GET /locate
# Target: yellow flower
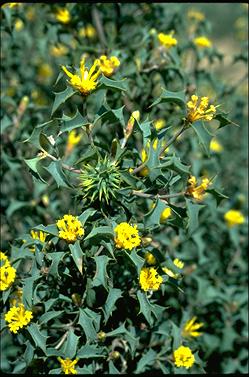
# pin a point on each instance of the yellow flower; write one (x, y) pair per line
(190, 327)
(7, 273)
(167, 40)
(234, 217)
(18, 317)
(45, 71)
(166, 213)
(215, 146)
(199, 110)
(202, 42)
(108, 65)
(197, 192)
(70, 228)
(150, 259)
(10, 5)
(19, 25)
(127, 236)
(88, 80)
(159, 124)
(58, 50)
(63, 15)
(178, 263)
(41, 236)
(68, 366)
(149, 279)
(72, 140)
(196, 15)
(129, 128)
(183, 357)
(89, 31)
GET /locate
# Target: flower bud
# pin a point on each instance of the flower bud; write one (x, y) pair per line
(101, 336)
(114, 355)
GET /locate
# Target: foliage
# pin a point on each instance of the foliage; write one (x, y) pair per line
(95, 153)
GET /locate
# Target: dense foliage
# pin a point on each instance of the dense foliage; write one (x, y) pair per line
(124, 227)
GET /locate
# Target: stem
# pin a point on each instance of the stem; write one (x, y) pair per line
(98, 23)
(171, 141)
(67, 167)
(151, 196)
(62, 340)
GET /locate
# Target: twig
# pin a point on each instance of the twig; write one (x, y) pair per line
(99, 26)
(67, 167)
(171, 141)
(151, 196)
(62, 340)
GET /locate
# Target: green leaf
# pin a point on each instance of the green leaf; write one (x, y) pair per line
(223, 120)
(100, 277)
(174, 97)
(116, 85)
(204, 136)
(56, 258)
(75, 122)
(87, 325)
(146, 308)
(112, 298)
(112, 368)
(5, 123)
(69, 348)
(174, 163)
(28, 288)
(55, 169)
(90, 351)
(193, 214)
(14, 206)
(152, 218)
(50, 229)
(37, 336)
(77, 255)
(118, 113)
(176, 334)
(49, 315)
(61, 97)
(85, 215)
(33, 165)
(101, 231)
(136, 260)
(148, 359)
(218, 195)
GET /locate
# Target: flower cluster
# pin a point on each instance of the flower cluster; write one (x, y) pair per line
(62, 15)
(167, 40)
(108, 65)
(190, 328)
(127, 236)
(88, 80)
(234, 217)
(7, 272)
(202, 42)
(170, 273)
(68, 366)
(149, 279)
(18, 317)
(198, 109)
(70, 228)
(183, 357)
(197, 192)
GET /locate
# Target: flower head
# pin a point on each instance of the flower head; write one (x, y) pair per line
(18, 317)
(62, 15)
(87, 82)
(149, 279)
(159, 124)
(178, 263)
(190, 328)
(150, 259)
(127, 236)
(167, 40)
(234, 217)
(72, 140)
(7, 273)
(68, 366)
(215, 146)
(197, 192)
(89, 31)
(41, 236)
(70, 228)
(198, 109)
(183, 357)
(202, 42)
(196, 15)
(58, 50)
(108, 65)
